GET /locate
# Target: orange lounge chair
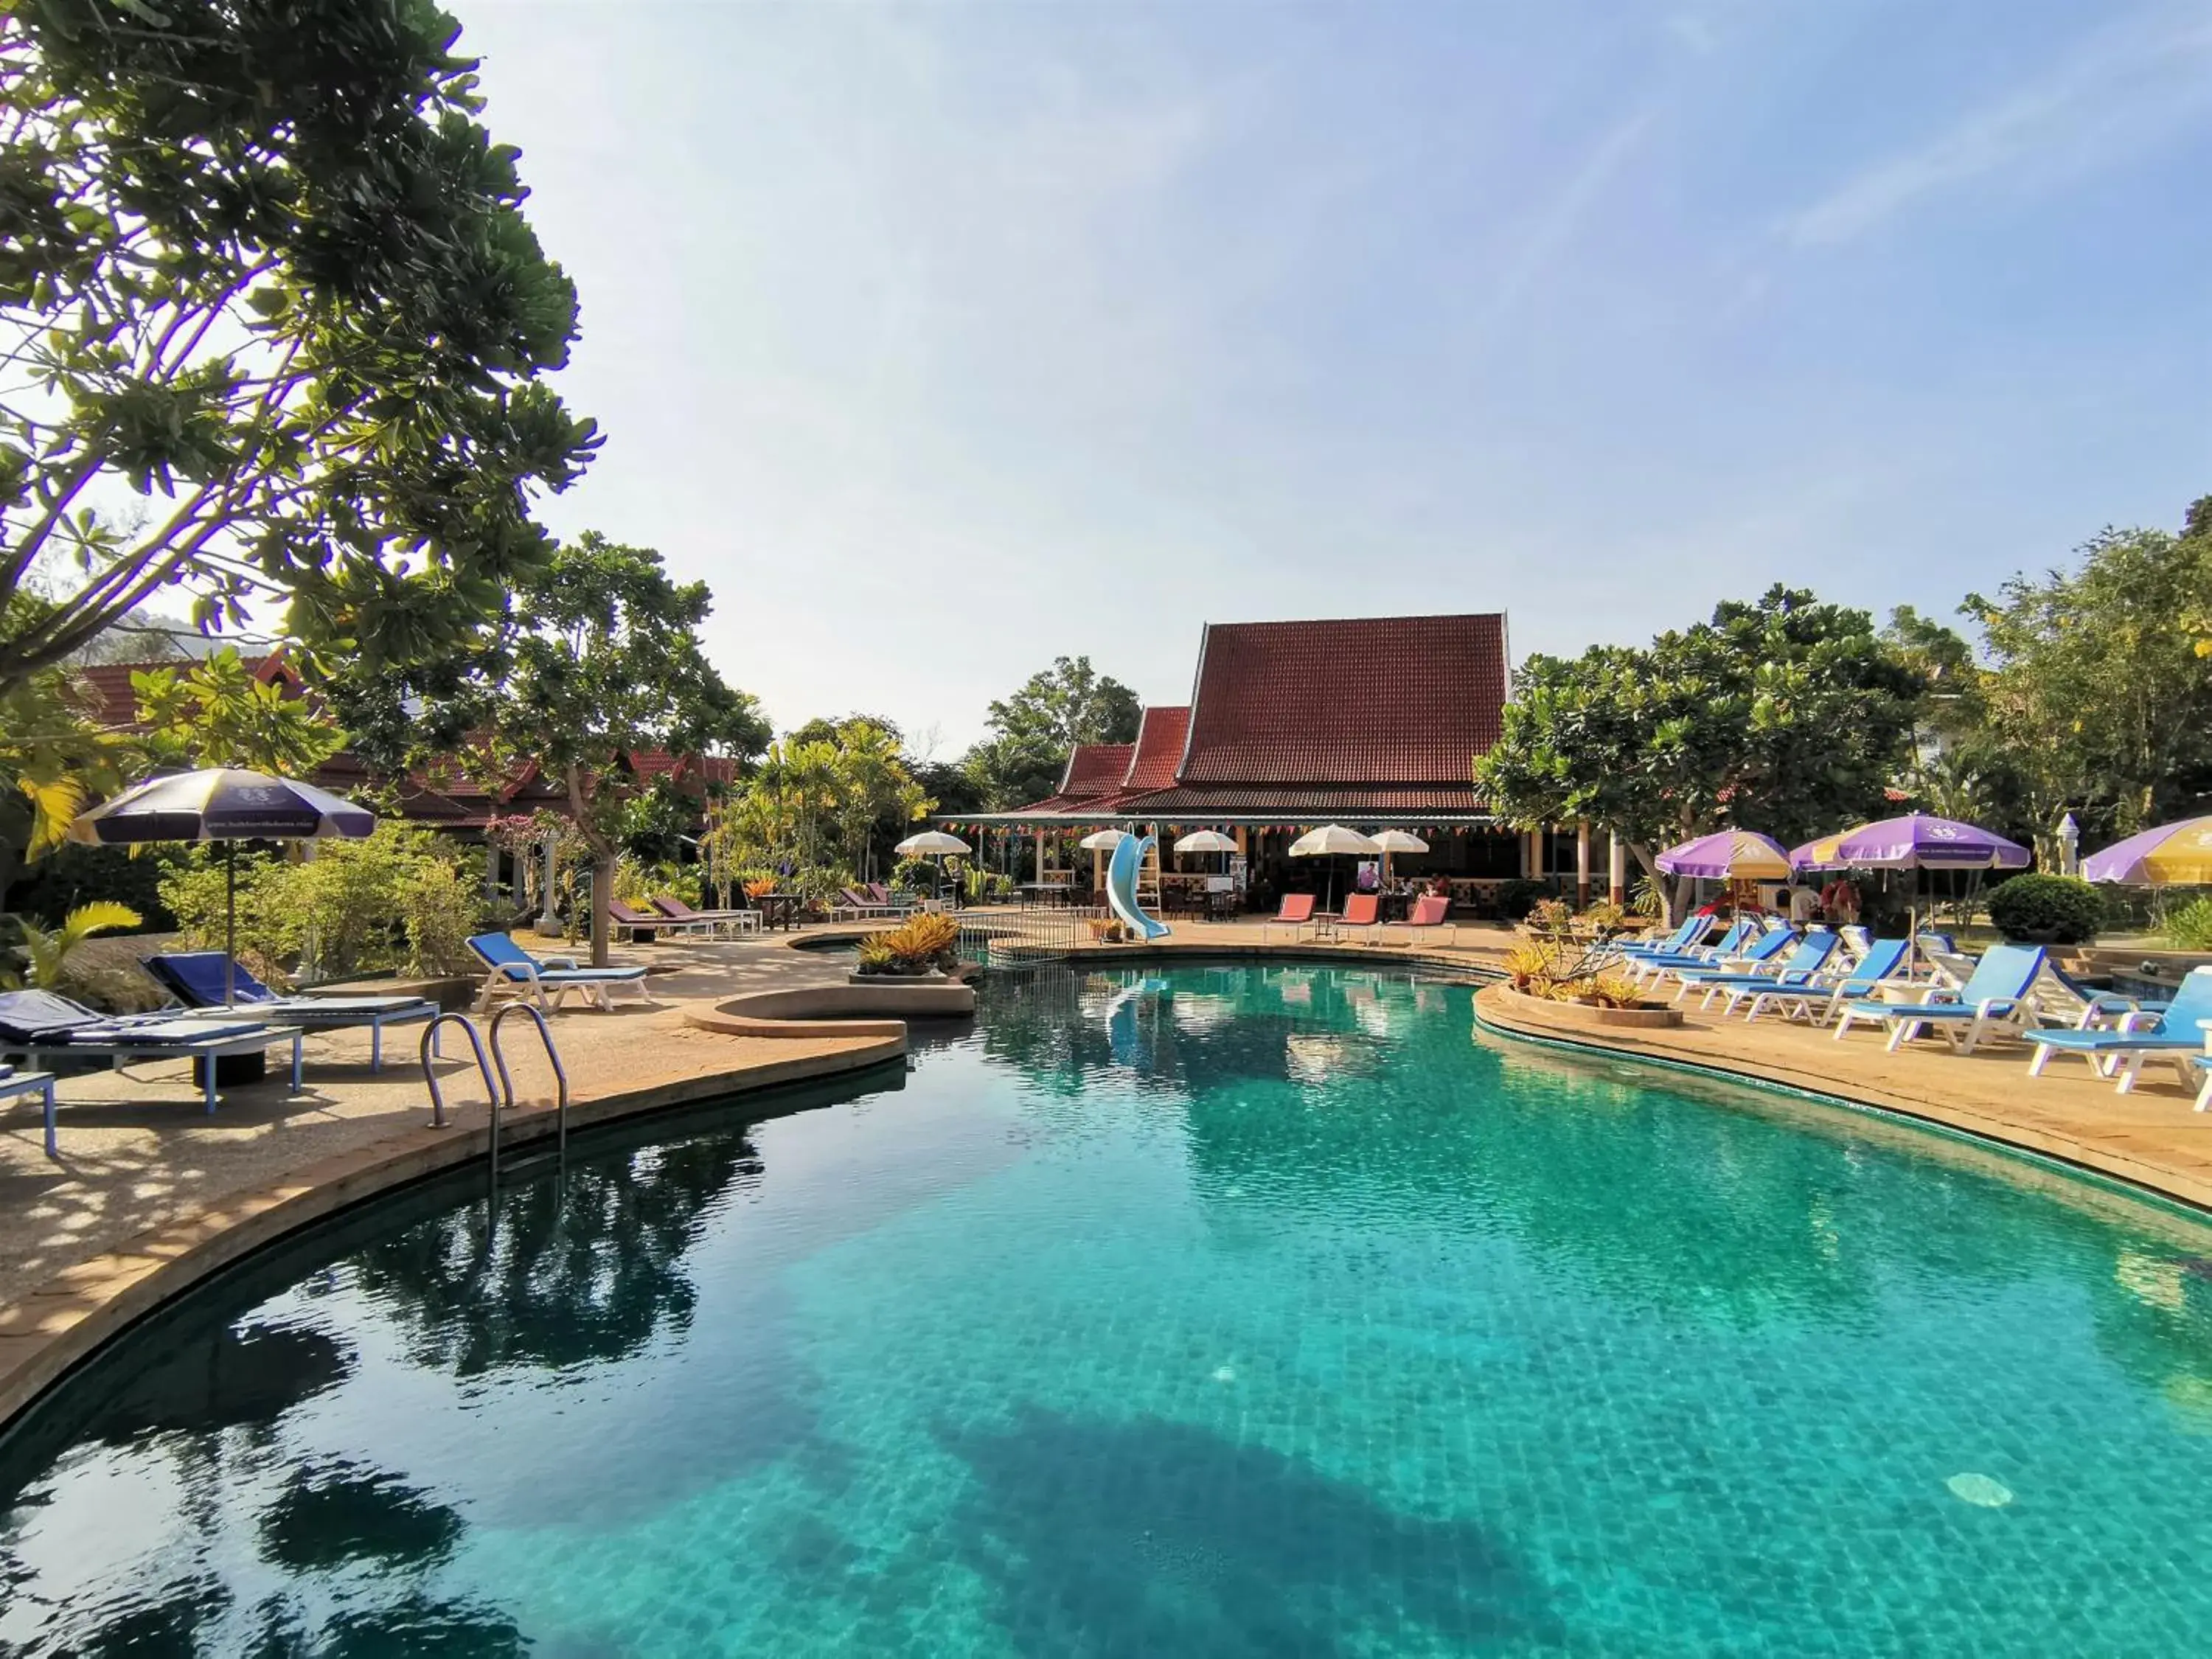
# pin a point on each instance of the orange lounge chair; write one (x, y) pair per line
(1363, 910)
(1431, 911)
(1296, 914)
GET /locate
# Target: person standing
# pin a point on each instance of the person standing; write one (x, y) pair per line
(1804, 904)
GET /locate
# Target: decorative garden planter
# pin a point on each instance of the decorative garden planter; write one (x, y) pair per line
(1588, 1015)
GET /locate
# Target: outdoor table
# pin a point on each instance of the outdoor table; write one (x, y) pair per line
(779, 909)
(1325, 924)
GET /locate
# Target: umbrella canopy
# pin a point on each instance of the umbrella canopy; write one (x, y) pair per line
(1332, 838)
(1103, 841)
(221, 804)
(1728, 855)
(2173, 854)
(225, 804)
(1398, 841)
(929, 843)
(1917, 842)
(1205, 840)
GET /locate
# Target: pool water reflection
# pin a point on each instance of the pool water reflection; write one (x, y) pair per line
(1219, 1311)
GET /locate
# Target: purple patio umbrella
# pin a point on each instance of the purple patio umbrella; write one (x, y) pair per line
(1917, 841)
(1727, 855)
(225, 804)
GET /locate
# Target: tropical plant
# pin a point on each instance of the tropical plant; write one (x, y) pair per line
(1520, 896)
(215, 713)
(917, 945)
(2189, 928)
(604, 659)
(276, 322)
(1647, 897)
(54, 757)
(1785, 712)
(2061, 909)
(46, 951)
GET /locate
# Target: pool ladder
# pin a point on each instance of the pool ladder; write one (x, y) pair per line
(501, 1089)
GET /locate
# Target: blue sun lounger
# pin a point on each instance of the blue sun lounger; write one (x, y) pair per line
(1801, 971)
(1753, 957)
(1824, 1002)
(2176, 1033)
(516, 973)
(1682, 938)
(13, 1083)
(1654, 968)
(42, 1026)
(1994, 1001)
(196, 977)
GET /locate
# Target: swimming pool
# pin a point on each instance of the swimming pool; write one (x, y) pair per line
(1222, 1310)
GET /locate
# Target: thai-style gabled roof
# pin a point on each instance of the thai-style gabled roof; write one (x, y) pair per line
(1364, 701)
(1158, 750)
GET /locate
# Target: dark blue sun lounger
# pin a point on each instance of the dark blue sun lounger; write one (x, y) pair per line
(42, 1026)
(195, 978)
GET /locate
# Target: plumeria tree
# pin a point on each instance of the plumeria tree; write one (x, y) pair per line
(272, 324)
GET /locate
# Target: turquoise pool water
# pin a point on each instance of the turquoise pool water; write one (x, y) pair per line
(1231, 1311)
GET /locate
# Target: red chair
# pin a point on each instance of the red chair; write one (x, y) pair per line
(1296, 914)
(1431, 911)
(1363, 910)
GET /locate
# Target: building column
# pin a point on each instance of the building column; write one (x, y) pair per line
(1532, 854)
(1040, 857)
(1616, 867)
(1582, 865)
(549, 924)
(491, 871)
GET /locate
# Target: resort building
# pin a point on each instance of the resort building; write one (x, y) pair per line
(1373, 722)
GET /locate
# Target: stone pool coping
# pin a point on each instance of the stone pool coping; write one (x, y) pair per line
(2168, 1161)
(64, 1320)
(860, 1011)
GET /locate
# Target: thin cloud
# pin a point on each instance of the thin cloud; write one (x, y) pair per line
(2130, 89)
(1540, 248)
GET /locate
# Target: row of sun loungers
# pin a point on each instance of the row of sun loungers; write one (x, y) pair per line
(2011, 992)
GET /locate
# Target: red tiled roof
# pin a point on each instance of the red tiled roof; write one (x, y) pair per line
(1312, 804)
(1158, 750)
(1367, 701)
(1096, 769)
(116, 705)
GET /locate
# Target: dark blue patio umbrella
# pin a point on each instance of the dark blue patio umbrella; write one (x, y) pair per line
(224, 803)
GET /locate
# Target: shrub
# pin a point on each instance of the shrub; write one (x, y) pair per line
(914, 946)
(1517, 898)
(2062, 910)
(2189, 928)
(1551, 914)
(915, 875)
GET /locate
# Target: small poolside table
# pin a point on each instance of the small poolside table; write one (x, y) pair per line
(779, 909)
(119, 1051)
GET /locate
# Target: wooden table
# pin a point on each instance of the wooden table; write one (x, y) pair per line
(779, 909)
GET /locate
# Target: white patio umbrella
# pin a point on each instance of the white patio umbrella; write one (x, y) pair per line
(1205, 840)
(1397, 840)
(1333, 840)
(226, 803)
(933, 844)
(1102, 841)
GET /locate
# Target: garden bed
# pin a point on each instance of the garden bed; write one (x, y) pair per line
(1647, 1015)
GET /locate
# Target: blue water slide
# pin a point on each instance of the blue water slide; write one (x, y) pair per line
(1121, 887)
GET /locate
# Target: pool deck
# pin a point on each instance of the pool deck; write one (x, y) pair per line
(150, 1194)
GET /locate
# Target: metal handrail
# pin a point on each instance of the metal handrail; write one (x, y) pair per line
(430, 1075)
(507, 1082)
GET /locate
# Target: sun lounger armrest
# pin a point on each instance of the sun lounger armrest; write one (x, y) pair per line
(559, 962)
(522, 972)
(1988, 1006)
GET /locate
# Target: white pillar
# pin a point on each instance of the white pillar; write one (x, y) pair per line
(549, 924)
(1040, 861)
(1581, 864)
(491, 869)
(1616, 868)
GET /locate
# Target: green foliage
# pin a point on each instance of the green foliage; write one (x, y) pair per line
(214, 713)
(2189, 928)
(1516, 898)
(2098, 696)
(812, 803)
(604, 659)
(400, 899)
(46, 951)
(277, 322)
(53, 758)
(75, 874)
(1786, 713)
(2062, 910)
(915, 875)
(1033, 732)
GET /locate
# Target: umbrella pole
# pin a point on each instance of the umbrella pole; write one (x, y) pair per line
(230, 925)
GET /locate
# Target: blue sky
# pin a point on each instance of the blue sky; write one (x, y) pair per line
(943, 340)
